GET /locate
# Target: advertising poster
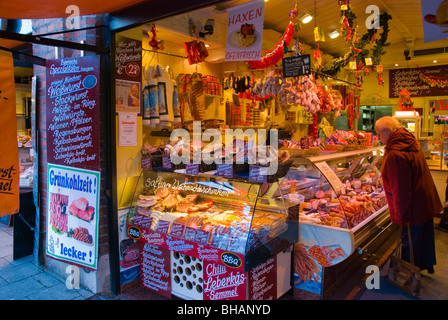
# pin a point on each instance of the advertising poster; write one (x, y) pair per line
(245, 31)
(129, 251)
(434, 19)
(9, 157)
(318, 248)
(72, 216)
(73, 111)
(128, 73)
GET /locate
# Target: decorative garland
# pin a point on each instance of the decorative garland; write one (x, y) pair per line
(358, 50)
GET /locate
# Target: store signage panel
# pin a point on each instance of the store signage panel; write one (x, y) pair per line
(420, 82)
(245, 31)
(128, 75)
(155, 269)
(296, 66)
(263, 281)
(73, 104)
(73, 215)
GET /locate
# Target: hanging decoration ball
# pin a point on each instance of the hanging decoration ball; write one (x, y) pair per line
(294, 13)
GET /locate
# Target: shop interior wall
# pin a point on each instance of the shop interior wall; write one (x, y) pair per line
(128, 158)
(374, 94)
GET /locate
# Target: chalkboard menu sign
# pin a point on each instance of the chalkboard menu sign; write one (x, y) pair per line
(420, 82)
(296, 66)
(263, 281)
(73, 111)
(155, 269)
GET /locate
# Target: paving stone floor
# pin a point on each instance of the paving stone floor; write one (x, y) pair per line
(21, 279)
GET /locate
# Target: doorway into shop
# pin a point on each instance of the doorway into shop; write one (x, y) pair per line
(18, 229)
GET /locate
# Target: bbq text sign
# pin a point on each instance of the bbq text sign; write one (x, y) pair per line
(9, 156)
(72, 215)
(73, 111)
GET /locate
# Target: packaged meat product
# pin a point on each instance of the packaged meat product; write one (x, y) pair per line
(219, 237)
(238, 236)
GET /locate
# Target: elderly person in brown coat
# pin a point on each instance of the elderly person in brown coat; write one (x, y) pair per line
(410, 191)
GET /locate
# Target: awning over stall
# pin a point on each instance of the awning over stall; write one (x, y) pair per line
(44, 9)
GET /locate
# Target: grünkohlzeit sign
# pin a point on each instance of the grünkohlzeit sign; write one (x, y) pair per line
(73, 215)
(73, 111)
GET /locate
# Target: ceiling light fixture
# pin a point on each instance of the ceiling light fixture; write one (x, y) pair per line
(306, 17)
(334, 34)
(434, 61)
(396, 64)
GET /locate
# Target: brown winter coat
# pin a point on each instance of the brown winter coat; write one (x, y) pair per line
(410, 189)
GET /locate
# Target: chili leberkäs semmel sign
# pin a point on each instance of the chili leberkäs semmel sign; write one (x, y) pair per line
(73, 112)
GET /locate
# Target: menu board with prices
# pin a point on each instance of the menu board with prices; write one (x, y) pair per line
(155, 269)
(73, 111)
(296, 66)
(262, 281)
(420, 82)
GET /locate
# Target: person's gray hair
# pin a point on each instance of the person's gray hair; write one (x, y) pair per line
(387, 122)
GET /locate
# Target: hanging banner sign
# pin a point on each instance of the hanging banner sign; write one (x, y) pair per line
(245, 31)
(9, 156)
(72, 216)
(73, 111)
(434, 19)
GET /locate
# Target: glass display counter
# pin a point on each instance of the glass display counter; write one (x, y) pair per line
(436, 153)
(411, 121)
(341, 207)
(206, 237)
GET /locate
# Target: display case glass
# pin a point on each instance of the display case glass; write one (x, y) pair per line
(341, 207)
(229, 214)
(340, 190)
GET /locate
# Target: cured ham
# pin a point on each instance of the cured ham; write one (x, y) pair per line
(80, 208)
